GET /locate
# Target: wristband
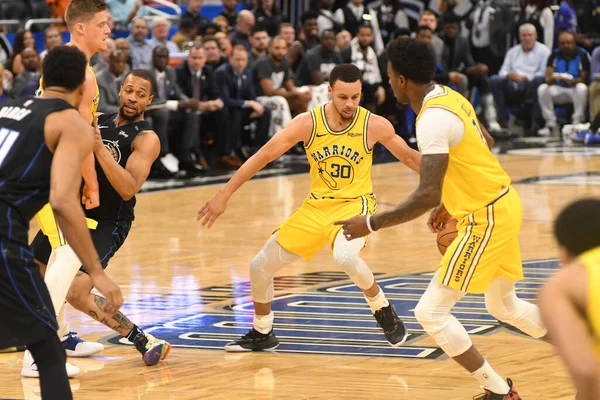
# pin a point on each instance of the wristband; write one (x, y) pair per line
(369, 226)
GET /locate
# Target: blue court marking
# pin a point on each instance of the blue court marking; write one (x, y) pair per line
(331, 319)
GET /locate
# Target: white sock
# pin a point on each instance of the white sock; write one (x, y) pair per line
(263, 323)
(489, 379)
(378, 301)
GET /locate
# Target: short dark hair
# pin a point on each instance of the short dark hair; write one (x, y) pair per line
(577, 226)
(412, 59)
(562, 32)
(120, 53)
(239, 47)
(143, 74)
(64, 66)
(310, 14)
(422, 28)
(210, 38)
(257, 28)
(82, 11)
(326, 31)
(159, 48)
(401, 32)
(365, 25)
(187, 23)
(348, 73)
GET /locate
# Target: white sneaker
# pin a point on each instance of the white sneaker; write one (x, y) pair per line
(495, 126)
(30, 370)
(548, 130)
(77, 347)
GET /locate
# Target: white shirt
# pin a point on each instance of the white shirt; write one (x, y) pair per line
(368, 64)
(480, 34)
(438, 129)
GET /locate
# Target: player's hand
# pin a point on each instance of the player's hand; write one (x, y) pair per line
(355, 227)
(98, 144)
(90, 197)
(110, 290)
(212, 209)
(455, 78)
(438, 218)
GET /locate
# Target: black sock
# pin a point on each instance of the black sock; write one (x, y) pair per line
(50, 358)
(134, 332)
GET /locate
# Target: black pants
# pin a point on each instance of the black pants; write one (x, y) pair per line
(239, 118)
(160, 123)
(485, 55)
(482, 82)
(507, 93)
(108, 237)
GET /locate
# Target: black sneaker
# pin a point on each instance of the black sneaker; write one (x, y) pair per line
(392, 325)
(511, 395)
(253, 341)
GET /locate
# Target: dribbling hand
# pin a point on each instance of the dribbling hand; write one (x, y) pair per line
(212, 209)
(438, 218)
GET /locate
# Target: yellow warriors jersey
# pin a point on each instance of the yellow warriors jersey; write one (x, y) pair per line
(340, 161)
(591, 260)
(474, 177)
(96, 100)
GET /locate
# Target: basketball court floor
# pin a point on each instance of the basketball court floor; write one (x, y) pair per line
(190, 285)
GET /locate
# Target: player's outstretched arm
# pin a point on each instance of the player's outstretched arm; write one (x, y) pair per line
(70, 139)
(128, 181)
(382, 131)
(427, 196)
(88, 167)
(299, 130)
(562, 302)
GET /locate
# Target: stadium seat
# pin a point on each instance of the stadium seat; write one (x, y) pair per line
(14, 9)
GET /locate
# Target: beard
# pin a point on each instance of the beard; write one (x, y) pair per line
(126, 117)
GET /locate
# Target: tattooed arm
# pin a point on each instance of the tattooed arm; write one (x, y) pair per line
(427, 196)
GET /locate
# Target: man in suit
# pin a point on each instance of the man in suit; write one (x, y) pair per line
(167, 93)
(237, 89)
(198, 82)
(109, 82)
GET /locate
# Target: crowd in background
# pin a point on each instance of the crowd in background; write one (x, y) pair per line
(224, 86)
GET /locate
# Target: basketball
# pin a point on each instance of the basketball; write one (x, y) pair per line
(446, 236)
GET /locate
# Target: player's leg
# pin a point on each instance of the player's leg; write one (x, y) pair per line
(81, 298)
(470, 264)
(42, 252)
(263, 267)
(58, 278)
(346, 255)
(433, 313)
(50, 357)
(108, 238)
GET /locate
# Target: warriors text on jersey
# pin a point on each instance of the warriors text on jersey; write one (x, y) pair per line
(340, 171)
(340, 162)
(477, 192)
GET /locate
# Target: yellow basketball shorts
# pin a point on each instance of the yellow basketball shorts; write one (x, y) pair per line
(311, 226)
(486, 247)
(47, 222)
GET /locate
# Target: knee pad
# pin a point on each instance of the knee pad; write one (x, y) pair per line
(508, 308)
(264, 266)
(346, 256)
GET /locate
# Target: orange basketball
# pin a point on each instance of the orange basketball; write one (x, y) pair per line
(446, 236)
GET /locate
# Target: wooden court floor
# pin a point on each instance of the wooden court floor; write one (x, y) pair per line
(181, 281)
